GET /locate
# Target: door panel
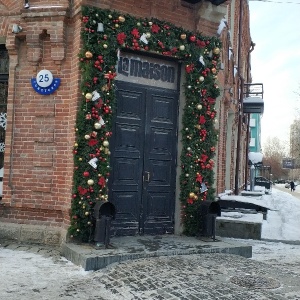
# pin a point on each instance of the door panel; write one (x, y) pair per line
(127, 147)
(143, 156)
(160, 160)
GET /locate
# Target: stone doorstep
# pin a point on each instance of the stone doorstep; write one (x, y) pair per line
(128, 248)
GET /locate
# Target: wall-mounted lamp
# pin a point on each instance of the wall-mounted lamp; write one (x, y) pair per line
(16, 28)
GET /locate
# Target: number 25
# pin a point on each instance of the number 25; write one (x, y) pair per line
(44, 78)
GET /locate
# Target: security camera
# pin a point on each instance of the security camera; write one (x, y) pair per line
(16, 28)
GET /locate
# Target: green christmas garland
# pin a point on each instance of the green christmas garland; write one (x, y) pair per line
(104, 34)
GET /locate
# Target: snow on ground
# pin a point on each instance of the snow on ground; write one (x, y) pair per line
(280, 232)
(283, 220)
(23, 270)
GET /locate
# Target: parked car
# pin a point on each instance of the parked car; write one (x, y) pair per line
(263, 179)
(281, 181)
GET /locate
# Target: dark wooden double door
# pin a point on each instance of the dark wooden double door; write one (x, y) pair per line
(143, 160)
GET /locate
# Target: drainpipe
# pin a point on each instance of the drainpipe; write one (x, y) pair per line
(252, 45)
(240, 108)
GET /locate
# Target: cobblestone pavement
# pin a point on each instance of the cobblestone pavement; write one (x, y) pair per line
(209, 276)
(185, 277)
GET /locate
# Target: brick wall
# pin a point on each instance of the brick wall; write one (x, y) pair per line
(229, 102)
(40, 131)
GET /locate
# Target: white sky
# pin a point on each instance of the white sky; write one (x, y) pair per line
(276, 62)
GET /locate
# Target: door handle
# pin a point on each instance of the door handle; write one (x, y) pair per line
(147, 176)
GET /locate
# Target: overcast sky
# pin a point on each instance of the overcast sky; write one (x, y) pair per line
(275, 61)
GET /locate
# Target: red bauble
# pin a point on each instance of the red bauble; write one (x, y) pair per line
(192, 38)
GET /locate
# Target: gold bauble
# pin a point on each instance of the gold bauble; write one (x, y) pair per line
(88, 54)
(183, 36)
(199, 106)
(105, 143)
(105, 45)
(201, 78)
(216, 51)
(75, 145)
(88, 96)
(214, 70)
(181, 47)
(121, 19)
(192, 195)
(86, 213)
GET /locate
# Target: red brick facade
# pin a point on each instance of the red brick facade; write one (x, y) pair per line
(38, 169)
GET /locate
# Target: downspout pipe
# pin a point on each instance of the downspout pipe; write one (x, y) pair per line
(252, 45)
(240, 106)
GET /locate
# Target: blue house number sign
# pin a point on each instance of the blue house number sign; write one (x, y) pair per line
(44, 83)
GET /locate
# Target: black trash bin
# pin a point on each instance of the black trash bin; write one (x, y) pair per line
(104, 213)
(209, 210)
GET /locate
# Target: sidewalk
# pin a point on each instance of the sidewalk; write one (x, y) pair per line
(162, 267)
(37, 273)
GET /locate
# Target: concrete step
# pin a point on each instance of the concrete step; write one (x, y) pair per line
(120, 249)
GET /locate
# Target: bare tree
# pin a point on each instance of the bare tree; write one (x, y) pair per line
(274, 152)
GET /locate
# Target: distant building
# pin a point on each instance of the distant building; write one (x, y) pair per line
(255, 133)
